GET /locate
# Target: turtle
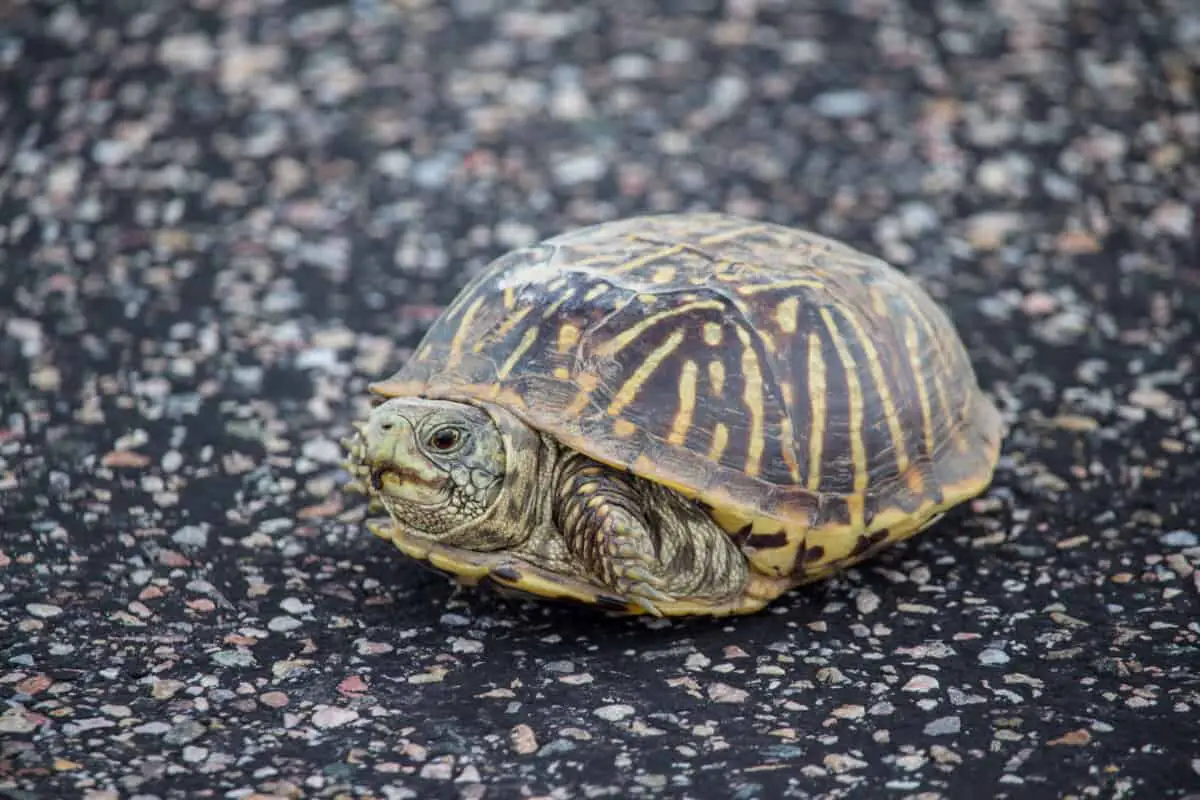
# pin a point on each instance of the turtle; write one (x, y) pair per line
(674, 414)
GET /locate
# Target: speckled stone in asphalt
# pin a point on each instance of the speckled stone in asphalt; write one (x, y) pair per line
(220, 219)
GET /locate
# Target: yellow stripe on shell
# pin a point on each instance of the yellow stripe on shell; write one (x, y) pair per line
(720, 440)
(767, 340)
(687, 404)
(641, 261)
(663, 275)
(628, 391)
(752, 289)
(913, 348)
(563, 297)
(515, 356)
(461, 333)
(578, 404)
(787, 443)
(716, 377)
(635, 332)
(712, 333)
(787, 435)
(858, 450)
(787, 314)
(880, 379)
(725, 274)
(936, 372)
(595, 292)
(817, 394)
(505, 327)
(752, 396)
(587, 384)
(878, 302)
(568, 337)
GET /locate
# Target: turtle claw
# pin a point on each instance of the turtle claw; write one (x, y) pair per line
(646, 590)
(634, 579)
(645, 605)
(644, 596)
(637, 574)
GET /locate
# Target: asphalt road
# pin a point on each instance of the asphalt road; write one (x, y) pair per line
(219, 220)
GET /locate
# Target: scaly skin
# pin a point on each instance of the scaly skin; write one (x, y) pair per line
(480, 479)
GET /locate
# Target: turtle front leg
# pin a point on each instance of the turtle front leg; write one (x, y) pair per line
(599, 517)
(646, 543)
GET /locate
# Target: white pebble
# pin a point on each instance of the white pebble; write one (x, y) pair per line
(724, 693)
(843, 104)
(866, 601)
(193, 52)
(110, 152)
(579, 169)
(460, 645)
(319, 358)
(1180, 539)
(193, 753)
(191, 535)
(944, 726)
(294, 605)
(333, 717)
(921, 683)
(394, 163)
(324, 451)
(614, 713)
(992, 657)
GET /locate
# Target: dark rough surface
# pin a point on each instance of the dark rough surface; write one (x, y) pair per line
(218, 220)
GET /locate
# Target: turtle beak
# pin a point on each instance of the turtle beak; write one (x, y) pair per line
(392, 462)
(389, 438)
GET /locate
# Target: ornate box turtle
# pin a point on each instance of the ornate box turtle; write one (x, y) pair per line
(675, 414)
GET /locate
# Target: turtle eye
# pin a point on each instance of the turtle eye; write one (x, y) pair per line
(445, 439)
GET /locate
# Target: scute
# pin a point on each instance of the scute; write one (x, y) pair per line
(786, 380)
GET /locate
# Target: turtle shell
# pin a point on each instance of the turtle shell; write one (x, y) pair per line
(815, 398)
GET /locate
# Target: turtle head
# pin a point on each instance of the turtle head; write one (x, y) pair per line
(436, 466)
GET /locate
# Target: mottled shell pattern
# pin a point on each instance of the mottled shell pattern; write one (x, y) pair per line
(813, 397)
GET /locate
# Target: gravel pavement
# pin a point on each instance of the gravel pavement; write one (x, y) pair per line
(220, 219)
